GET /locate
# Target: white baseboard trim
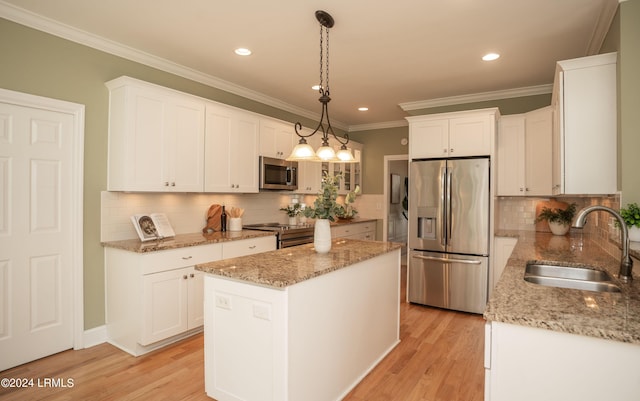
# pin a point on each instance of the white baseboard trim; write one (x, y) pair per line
(95, 336)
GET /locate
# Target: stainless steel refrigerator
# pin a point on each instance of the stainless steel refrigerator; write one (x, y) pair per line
(449, 205)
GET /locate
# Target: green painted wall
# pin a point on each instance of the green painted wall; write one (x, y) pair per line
(629, 100)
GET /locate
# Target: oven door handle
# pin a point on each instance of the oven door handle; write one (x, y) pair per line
(296, 241)
(445, 260)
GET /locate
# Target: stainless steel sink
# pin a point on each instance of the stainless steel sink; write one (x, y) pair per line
(578, 278)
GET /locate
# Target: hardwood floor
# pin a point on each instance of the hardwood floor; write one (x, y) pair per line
(440, 357)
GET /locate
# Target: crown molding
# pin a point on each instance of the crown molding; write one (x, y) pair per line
(603, 24)
(47, 25)
(382, 125)
(477, 97)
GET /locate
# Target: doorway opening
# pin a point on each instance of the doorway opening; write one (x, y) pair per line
(396, 187)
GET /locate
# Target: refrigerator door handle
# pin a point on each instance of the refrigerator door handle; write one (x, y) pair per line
(444, 202)
(445, 260)
(448, 220)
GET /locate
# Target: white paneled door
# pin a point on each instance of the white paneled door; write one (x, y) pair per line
(36, 233)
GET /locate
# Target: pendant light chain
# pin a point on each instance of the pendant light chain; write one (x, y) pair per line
(324, 60)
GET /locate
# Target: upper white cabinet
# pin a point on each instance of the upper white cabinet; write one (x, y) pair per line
(467, 133)
(276, 138)
(524, 154)
(231, 149)
(585, 126)
(156, 137)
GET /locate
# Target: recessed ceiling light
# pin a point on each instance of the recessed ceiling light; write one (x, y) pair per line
(242, 51)
(363, 108)
(490, 56)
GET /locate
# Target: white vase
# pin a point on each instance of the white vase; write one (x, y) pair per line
(293, 220)
(634, 234)
(322, 236)
(559, 228)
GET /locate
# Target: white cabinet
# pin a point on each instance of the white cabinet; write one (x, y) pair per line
(503, 247)
(467, 133)
(172, 303)
(585, 126)
(364, 231)
(154, 298)
(524, 154)
(156, 137)
(231, 150)
(250, 246)
(276, 138)
(530, 364)
(310, 173)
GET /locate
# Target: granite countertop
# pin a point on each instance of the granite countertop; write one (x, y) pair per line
(356, 220)
(184, 240)
(613, 316)
(285, 267)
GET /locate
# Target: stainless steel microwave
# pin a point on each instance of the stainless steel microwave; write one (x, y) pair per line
(278, 174)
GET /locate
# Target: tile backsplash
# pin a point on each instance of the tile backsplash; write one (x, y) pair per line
(187, 211)
(519, 213)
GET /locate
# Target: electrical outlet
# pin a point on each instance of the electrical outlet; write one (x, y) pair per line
(223, 302)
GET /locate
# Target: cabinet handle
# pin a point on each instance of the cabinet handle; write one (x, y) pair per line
(451, 150)
(252, 247)
(444, 150)
(527, 189)
(192, 275)
(520, 189)
(186, 257)
(184, 277)
(166, 183)
(173, 184)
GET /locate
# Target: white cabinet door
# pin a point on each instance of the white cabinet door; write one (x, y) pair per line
(538, 154)
(510, 157)
(460, 134)
(231, 150)
(585, 126)
(309, 177)
(156, 138)
(195, 299)
(470, 136)
(429, 138)
(165, 305)
(276, 138)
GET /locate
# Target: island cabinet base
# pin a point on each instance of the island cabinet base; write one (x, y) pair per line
(532, 364)
(314, 340)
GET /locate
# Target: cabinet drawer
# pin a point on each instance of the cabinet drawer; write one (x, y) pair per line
(182, 257)
(249, 246)
(350, 230)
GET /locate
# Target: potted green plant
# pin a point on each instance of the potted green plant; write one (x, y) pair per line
(292, 210)
(631, 217)
(559, 219)
(325, 208)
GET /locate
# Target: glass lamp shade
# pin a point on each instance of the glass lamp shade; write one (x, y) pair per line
(326, 153)
(302, 151)
(345, 156)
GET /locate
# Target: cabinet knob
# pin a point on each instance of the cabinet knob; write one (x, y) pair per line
(173, 184)
(184, 277)
(444, 150)
(521, 189)
(192, 275)
(527, 189)
(451, 150)
(166, 183)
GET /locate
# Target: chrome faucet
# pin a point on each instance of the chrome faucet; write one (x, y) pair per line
(626, 264)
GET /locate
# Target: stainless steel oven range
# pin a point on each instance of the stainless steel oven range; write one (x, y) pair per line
(287, 235)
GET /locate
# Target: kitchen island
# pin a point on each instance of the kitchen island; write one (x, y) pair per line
(293, 324)
(558, 344)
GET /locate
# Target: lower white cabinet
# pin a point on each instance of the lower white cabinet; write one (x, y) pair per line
(156, 298)
(503, 247)
(364, 231)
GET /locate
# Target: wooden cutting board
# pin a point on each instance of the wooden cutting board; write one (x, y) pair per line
(213, 219)
(543, 226)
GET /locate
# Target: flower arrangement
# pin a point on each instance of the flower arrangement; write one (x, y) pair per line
(325, 205)
(292, 210)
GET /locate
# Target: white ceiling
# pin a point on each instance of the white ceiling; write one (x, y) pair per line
(382, 54)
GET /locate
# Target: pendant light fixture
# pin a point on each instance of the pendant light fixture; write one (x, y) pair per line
(303, 151)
